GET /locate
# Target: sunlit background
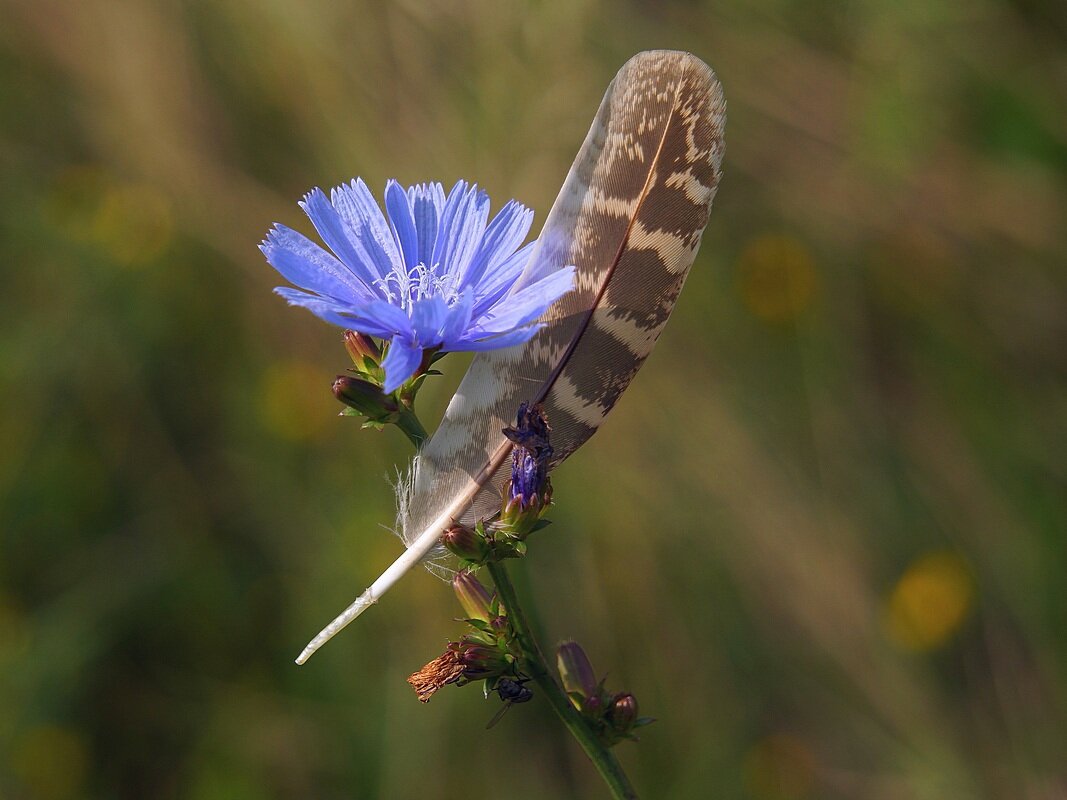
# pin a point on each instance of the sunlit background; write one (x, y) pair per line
(822, 538)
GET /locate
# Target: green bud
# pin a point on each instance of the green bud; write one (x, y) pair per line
(474, 597)
(579, 681)
(521, 516)
(466, 543)
(364, 397)
(361, 347)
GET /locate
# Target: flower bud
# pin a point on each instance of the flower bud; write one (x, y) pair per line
(474, 597)
(364, 397)
(480, 660)
(622, 713)
(579, 681)
(361, 347)
(466, 543)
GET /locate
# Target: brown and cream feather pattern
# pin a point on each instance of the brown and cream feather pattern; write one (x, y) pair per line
(629, 217)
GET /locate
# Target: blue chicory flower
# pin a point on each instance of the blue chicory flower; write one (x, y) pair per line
(434, 276)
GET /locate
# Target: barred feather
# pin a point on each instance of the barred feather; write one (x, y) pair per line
(629, 216)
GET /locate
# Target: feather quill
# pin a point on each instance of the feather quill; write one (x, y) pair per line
(629, 218)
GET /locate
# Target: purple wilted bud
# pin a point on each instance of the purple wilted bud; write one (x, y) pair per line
(529, 491)
(526, 478)
(475, 598)
(529, 457)
(579, 681)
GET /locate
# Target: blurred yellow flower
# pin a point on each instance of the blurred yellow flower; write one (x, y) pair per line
(930, 601)
(776, 277)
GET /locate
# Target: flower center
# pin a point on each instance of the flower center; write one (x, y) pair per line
(404, 287)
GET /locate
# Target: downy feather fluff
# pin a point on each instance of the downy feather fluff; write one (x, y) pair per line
(629, 216)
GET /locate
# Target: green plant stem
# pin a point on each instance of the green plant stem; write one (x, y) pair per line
(534, 662)
(409, 423)
(535, 665)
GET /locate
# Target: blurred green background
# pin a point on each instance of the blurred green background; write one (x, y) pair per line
(822, 538)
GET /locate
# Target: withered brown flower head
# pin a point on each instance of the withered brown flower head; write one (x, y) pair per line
(443, 670)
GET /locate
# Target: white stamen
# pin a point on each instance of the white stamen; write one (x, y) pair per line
(421, 282)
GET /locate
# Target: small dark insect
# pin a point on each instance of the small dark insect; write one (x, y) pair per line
(510, 692)
(514, 691)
